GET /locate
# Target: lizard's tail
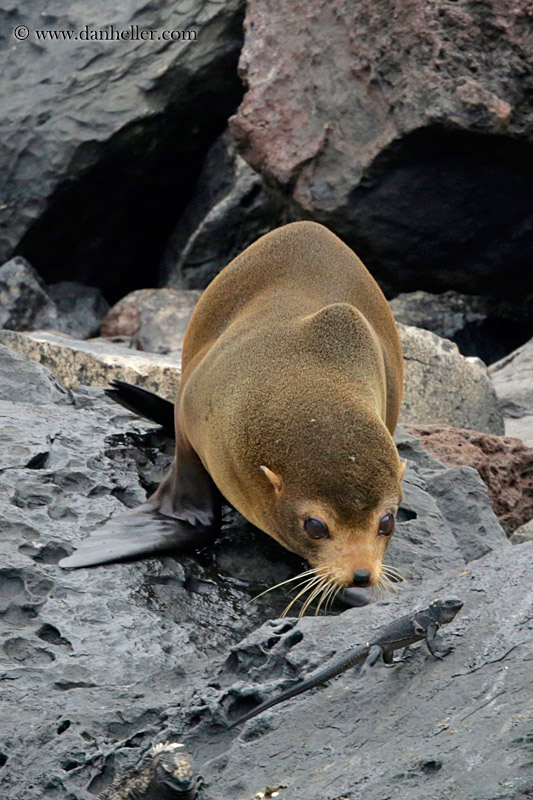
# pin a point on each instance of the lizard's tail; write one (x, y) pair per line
(353, 658)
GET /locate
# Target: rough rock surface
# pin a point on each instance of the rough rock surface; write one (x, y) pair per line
(405, 126)
(102, 141)
(441, 386)
(480, 326)
(155, 319)
(80, 308)
(229, 210)
(460, 727)
(96, 665)
(96, 363)
(512, 377)
(24, 301)
(505, 465)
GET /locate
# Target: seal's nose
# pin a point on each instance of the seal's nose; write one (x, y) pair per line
(361, 577)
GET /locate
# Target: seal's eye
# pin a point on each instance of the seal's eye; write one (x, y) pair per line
(386, 524)
(315, 528)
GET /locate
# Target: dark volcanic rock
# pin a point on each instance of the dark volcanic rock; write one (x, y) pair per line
(403, 125)
(229, 210)
(96, 665)
(24, 302)
(102, 141)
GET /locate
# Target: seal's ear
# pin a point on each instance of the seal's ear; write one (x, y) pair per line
(274, 479)
(403, 465)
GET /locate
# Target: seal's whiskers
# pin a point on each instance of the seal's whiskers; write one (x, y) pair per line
(282, 583)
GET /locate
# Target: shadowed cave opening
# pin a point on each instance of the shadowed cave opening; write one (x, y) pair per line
(109, 227)
(446, 209)
(443, 209)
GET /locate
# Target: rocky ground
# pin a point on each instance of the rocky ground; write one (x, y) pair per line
(97, 665)
(133, 171)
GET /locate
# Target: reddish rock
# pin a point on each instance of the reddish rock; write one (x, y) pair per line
(398, 123)
(504, 464)
(155, 319)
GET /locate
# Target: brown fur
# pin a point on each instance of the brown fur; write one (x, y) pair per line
(292, 361)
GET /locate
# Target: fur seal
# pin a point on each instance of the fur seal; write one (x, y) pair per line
(291, 387)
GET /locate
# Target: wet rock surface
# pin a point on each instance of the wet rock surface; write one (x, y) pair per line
(97, 665)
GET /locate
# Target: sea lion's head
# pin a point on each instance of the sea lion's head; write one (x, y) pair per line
(331, 493)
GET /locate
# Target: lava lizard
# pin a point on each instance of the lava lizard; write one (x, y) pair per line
(398, 634)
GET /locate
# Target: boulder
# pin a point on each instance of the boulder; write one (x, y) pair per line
(522, 534)
(229, 210)
(512, 377)
(504, 464)
(95, 188)
(24, 381)
(443, 387)
(24, 301)
(403, 126)
(81, 309)
(96, 363)
(155, 319)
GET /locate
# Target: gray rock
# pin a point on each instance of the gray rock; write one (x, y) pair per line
(443, 387)
(230, 209)
(24, 381)
(154, 319)
(93, 190)
(81, 309)
(463, 499)
(512, 377)
(24, 302)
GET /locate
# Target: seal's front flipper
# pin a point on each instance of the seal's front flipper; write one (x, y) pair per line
(145, 403)
(139, 533)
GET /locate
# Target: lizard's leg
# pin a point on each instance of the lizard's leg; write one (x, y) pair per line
(390, 661)
(431, 634)
(374, 654)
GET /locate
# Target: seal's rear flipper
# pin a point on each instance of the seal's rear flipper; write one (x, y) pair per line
(142, 532)
(142, 402)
